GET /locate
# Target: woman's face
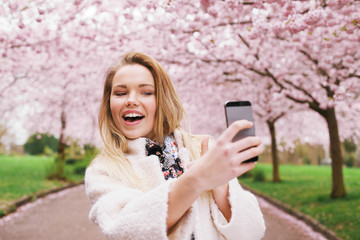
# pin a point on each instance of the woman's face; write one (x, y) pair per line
(133, 102)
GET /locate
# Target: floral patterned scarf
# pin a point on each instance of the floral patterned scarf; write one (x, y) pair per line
(168, 156)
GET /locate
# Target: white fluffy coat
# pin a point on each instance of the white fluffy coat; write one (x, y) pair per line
(124, 213)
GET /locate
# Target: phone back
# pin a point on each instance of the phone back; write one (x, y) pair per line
(237, 111)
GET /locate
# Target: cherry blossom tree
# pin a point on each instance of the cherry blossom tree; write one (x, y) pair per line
(324, 68)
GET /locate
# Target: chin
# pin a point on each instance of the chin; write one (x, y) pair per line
(133, 136)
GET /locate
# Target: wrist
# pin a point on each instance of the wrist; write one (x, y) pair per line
(221, 189)
(195, 180)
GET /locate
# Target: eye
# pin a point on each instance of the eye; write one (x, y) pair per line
(119, 93)
(148, 93)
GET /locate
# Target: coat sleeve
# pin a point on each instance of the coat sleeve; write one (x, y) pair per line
(122, 212)
(247, 221)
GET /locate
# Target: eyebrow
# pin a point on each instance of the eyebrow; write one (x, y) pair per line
(140, 85)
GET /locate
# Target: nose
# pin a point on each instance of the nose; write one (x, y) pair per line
(132, 100)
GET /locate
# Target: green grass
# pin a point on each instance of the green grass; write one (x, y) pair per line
(26, 175)
(307, 189)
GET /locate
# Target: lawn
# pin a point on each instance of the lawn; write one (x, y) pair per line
(307, 189)
(26, 175)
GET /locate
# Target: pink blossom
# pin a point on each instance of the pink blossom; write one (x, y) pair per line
(212, 12)
(296, 26)
(288, 9)
(234, 5)
(151, 4)
(331, 103)
(21, 25)
(41, 11)
(13, 6)
(313, 17)
(278, 27)
(343, 2)
(205, 4)
(332, 22)
(77, 2)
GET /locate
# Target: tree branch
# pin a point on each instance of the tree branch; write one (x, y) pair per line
(234, 80)
(278, 117)
(302, 90)
(297, 100)
(320, 70)
(244, 41)
(12, 83)
(353, 75)
(269, 74)
(232, 23)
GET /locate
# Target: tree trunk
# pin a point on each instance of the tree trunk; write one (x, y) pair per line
(60, 161)
(274, 155)
(338, 187)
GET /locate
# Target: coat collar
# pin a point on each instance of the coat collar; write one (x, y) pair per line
(136, 147)
(148, 167)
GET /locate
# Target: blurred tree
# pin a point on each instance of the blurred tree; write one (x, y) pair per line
(350, 152)
(3, 133)
(38, 142)
(349, 145)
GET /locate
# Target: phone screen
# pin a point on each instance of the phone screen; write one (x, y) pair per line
(239, 110)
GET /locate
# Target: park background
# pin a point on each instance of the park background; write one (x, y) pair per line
(296, 61)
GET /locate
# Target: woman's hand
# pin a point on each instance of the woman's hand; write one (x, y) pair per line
(213, 170)
(224, 161)
(220, 193)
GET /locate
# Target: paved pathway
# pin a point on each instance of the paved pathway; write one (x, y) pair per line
(58, 216)
(64, 216)
(282, 226)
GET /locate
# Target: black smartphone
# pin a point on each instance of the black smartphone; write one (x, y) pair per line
(239, 110)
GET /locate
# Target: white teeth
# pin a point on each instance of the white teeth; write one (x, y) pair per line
(133, 115)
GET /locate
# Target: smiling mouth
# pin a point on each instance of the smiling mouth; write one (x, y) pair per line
(132, 117)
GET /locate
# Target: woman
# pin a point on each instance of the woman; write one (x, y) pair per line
(153, 180)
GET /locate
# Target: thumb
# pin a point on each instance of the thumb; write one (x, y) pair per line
(204, 145)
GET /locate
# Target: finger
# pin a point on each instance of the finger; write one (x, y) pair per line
(249, 153)
(246, 143)
(245, 167)
(204, 145)
(233, 129)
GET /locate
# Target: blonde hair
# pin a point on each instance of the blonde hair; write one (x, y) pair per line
(169, 115)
